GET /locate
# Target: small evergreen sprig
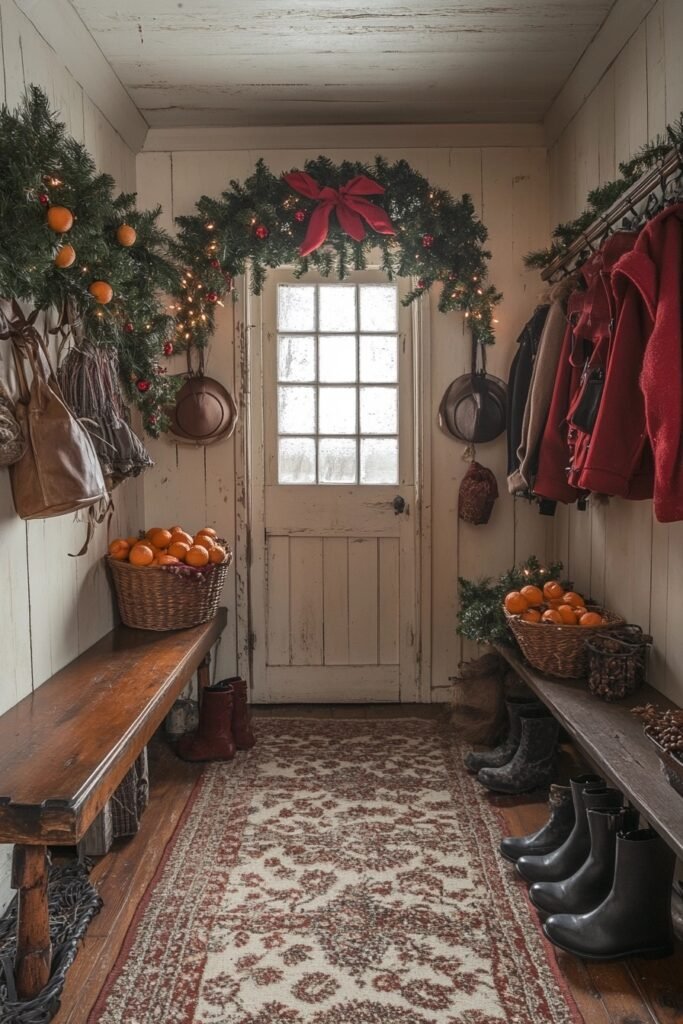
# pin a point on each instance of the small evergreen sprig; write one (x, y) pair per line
(481, 617)
(600, 199)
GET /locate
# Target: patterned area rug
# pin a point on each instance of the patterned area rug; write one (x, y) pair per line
(344, 872)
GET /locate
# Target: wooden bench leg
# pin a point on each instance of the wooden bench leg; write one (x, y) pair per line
(204, 674)
(34, 949)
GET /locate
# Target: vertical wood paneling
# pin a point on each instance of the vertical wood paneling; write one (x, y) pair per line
(635, 563)
(336, 600)
(388, 596)
(278, 601)
(363, 618)
(306, 600)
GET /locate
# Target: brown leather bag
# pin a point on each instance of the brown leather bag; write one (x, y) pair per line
(59, 471)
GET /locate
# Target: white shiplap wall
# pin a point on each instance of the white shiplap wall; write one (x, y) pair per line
(52, 606)
(618, 551)
(509, 187)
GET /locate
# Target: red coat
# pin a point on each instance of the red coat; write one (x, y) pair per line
(651, 276)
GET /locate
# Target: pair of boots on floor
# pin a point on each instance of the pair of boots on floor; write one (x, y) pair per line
(602, 884)
(526, 759)
(224, 723)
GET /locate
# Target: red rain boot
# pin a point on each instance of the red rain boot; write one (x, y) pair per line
(241, 719)
(213, 740)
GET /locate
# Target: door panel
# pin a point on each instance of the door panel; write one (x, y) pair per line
(339, 591)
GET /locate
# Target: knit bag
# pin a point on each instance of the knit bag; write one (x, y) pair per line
(477, 495)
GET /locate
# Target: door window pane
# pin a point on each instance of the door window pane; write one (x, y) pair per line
(337, 355)
(379, 358)
(378, 308)
(337, 307)
(379, 460)
(337, 458)
(296, 410)
(378, 412)
(296, 460)
(337, 411)
(337, 384)
(296, 358)
(296, 308)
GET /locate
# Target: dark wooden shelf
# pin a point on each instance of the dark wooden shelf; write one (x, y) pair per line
(613, 740)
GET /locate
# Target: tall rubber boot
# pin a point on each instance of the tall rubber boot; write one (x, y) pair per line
(551, 835)
(533, 764)
(505, 751)
(241, 719)
(213, 740)
(587, 888)
(635, 918)
(587, 791)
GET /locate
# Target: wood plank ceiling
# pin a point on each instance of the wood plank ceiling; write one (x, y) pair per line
(296, 62)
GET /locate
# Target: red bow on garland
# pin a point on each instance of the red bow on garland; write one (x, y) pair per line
(350, 207)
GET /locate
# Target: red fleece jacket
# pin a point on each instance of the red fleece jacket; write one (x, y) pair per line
(654, 270)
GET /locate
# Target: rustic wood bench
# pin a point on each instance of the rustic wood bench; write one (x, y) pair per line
(612, 739)
(66, 747)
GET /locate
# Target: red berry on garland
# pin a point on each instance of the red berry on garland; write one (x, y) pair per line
(168, 348)
(128, 328)
(152, 420)
(215, 264)
(422, 283)
(212, 296)
(261, 231)
(143, 385)
(427, 241)
(43, 199)
(300, 216)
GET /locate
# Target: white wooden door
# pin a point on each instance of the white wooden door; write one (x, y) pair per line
(338, 616)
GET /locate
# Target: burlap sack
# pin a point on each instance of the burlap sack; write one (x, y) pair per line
(478, 707)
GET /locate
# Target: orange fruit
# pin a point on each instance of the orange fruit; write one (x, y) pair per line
(515, 603)
(160, 539)
(126, 235)
(217, 554)
(574, 599)
(552, 591)
(119, 549)
(555, 603)
(178, 549)
(591, 619)
(101, 291)
(175, 529)
(552, 616)
(566, 613)
(60, 219)
(152, 529)
(532, 615)
(132, 541)
(197, 555)
(141, 554)
(204, 540)
(209, 531)
(65, 257)
(578, 612)
(533, 595)
(163, 559)
(180, 537)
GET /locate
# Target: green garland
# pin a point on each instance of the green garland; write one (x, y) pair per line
(603, 197)
(481, 617)
(42, 166)
(261, 224)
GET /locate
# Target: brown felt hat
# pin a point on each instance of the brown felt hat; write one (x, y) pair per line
(204, 412)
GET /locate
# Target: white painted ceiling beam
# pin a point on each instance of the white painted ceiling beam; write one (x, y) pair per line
(62, 29)
(616, 30)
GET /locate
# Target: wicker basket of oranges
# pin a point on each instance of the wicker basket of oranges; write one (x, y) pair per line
(168, 579)
(552, 625)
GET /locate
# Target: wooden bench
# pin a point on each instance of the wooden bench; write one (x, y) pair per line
(613, 740)
(66, 747)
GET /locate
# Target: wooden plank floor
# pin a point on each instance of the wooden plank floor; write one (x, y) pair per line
(633, 992)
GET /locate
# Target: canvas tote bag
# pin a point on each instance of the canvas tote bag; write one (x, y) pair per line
(60, 471)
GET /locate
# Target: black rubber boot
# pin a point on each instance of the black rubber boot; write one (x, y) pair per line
(635, 918)
(505, 751)
(588, 887)
(549, 836)
(568, 858)
(533, 764)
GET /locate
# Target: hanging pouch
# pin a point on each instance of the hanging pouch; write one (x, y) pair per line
(585, 413)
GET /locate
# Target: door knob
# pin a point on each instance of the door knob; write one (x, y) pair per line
(399, 505)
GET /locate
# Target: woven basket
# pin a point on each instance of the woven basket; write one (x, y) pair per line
(557, 650)
(166, 597)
